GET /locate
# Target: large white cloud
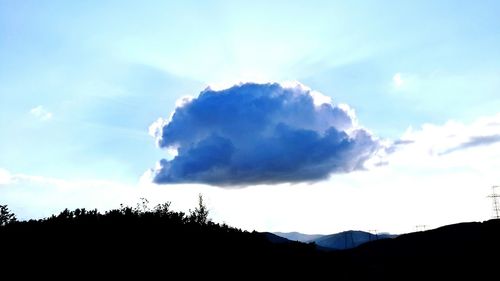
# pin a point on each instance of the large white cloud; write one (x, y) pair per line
(260, 134)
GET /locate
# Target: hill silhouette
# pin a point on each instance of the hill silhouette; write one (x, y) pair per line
(337, 241)
(349, 239)
(142, 242)
(464, 250)
(139, 241)
(297, 236)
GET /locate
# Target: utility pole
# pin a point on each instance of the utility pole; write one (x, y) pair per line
(494, 197)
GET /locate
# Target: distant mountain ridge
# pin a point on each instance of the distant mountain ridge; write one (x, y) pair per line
(338, 241)
(349, 239)
(273, 238)
(297, 236)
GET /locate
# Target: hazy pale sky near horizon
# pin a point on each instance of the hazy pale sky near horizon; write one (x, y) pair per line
(82, 81)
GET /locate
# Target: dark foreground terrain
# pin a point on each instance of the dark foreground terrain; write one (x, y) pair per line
(166, 245)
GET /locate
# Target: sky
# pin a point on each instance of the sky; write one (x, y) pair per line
(310, 116)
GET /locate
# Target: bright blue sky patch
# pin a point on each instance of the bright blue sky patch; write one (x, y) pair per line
(81, 82)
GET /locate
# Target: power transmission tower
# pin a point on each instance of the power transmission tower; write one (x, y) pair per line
(496, 208)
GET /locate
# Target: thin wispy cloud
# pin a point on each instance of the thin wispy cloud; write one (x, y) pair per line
(260, 134)
(452, 143)
(5, 177)
(397, 80)
(41, 113)
(475, 141)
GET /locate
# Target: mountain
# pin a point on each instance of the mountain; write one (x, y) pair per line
(349, 239)
(338, 241)
(297, 236)
(273, 238)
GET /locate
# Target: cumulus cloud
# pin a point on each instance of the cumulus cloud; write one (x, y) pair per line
(260, 134)
(41, 113)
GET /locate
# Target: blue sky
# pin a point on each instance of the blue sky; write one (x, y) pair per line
(81, 82)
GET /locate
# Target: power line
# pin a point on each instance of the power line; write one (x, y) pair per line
(420, 227)
(372, 232)
(494, 197)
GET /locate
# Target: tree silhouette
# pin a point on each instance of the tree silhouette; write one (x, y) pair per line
(200, 213)
(6, 216)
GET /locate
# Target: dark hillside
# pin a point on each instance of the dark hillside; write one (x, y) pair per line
(465, 250)
(129, 242)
